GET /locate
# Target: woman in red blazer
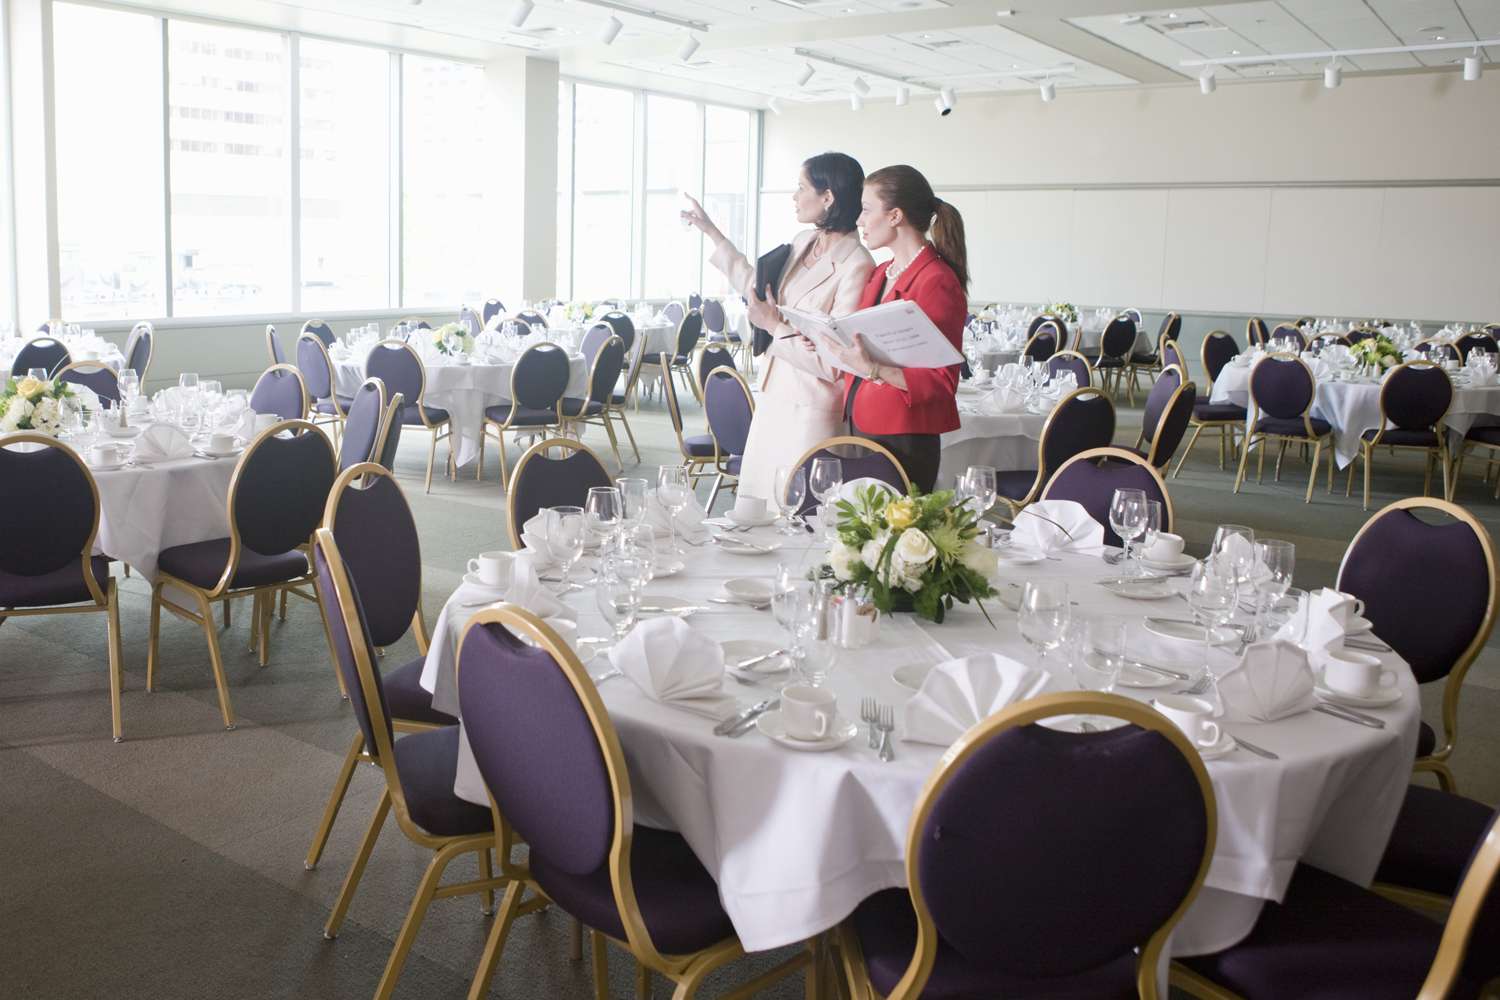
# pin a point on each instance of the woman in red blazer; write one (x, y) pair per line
(906, 409)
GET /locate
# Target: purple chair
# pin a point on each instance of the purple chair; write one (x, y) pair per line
(1397, 555)
(674, 312)
(98, 378)
(1148, 364)
(604, 372)
(730, 408)
(1255, 331)
(543, 481)
(418, 770)
(1083, 419)
(1435, 835)
(1281, 394)
(319, 329)
(1228, 419)
(1091, 478)
(1171, 354)
(1037, 321)
(469, 320)
(1044, 343)
(273, 346)
(697, 450)
(538, 383)
(594, 339)
(47, 565)
(1000, 908)
(375, 532)
(491, 309)
(398, 366)
(533, 319)
(328, 407)
(1071, 361)
(689, 332)
(280, 390)
(1164, 422)
(710, 358)
(1115, 346)
(695, 301)
(1413, 402)
(714, 320)
(138, 350)
(390, 433)
(1476, 342)
(859, 458)
(635, 359)
(363, 425)
(1332, 938)
(551, 759)
(1437, 351)
(623, 327)
(40, 352)
(1292, 332)
(276, 500)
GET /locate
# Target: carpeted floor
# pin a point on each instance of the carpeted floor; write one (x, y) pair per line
(171, 865)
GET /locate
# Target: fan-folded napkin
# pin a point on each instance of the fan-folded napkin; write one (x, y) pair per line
(534, 538)
(1006, 400)
(1054, 526)
(527, 591)
(162, 443)
(957, 694)
(1272, 681)
(677, 666)
(1327, 614)
(689, 519)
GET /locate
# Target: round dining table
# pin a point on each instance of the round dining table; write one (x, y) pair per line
(145, 507)
(795, 840)
(1004, 441)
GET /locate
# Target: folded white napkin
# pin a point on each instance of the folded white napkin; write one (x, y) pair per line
(1002, 400)
(1052, 527)
(1272, 681)
(534, 538)
(1319, 368)
(1327, 614)
(244, 427)
(161, 443)
(956, 694)
(676, 665)
(1481, 377)
(527, 591)
(689, 519)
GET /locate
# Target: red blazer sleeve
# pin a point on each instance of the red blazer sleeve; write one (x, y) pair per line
(937, 293)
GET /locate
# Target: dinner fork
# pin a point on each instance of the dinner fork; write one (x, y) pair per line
(1200, 686)
(869, 714)
(887, 725)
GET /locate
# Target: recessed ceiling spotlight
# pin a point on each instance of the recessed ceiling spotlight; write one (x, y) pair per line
(610, 30)
(520, 12)
(1132, 19)
(688, 47)
(1172, 15)
(1439, 38)
(1234, 52)
(805, 75)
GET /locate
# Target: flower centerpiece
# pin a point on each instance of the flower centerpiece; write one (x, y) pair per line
(1065, 311)
(451, 338)
(1378, 351)
(32, 404)
(580, 312)
(915, 553)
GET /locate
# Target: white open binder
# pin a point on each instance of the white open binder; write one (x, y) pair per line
(897, 334)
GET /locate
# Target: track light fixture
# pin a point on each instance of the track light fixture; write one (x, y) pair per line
(520, 12)
(943, 102)
(1333, 74)
(774, 104)
(856, 102)
(949, 97)
(1206, 81)
(903, 95)
(805, 75)
(1049, 91)
(610, 30)
(1473, 67)
(688, 47)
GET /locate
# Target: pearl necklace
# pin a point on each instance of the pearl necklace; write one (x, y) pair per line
(892, 272)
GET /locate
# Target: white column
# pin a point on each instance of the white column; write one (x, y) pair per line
(33, 155)
(519, 236)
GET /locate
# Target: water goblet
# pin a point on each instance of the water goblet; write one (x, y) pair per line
(789, 489)
(1212, 595)
(980, 489)
(602, 507)
(673, 493)
(564, 529)
(1127, 518)
(617, 592)
(632, 500)
(825, 477)
(1275, 561)
(1044, 614)
(40, 374)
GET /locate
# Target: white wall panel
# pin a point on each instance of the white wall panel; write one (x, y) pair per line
(1324, 252)
(1438, 246)
(1030, 238)
(975, 208)
(1117, 247)
(1215, 251)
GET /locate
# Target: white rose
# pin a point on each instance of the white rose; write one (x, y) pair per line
(18, 410)
(843, 559)
(1387, 361)
(45, 411)
(915, 549)
(870, 553)
(979, 559)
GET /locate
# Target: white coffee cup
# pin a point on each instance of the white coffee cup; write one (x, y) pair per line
(1166, 548)
(220, 442)
(492, 568)
(1348, 672)
(265, 420)
(1194, 716)
(748, 508)
(808, 712)
(104, 453)
(1344, 610)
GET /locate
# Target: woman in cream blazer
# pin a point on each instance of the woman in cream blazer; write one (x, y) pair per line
(801, 399)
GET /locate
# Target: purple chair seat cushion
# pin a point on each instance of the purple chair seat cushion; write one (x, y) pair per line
(202, 563)
(589, 407)
(1484, 435)
(405, 697)
(427, 763)
(700, 445)
(1143, 358)
(1435, 834)
(326, 406)
(1218, 411)
(1291, 426)
(732, 466)
(1329, 939)
(886, 927)
(61, 586)
(681, 359)
(526, 416)
(411, 414)
(679, 900)
(1426, 739)
(618, 399)
(1108, 362)
(1014, 484)
(1419, 437)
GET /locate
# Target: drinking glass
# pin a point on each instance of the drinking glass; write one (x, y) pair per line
(1127, 518)
(1237, 543)
(1096, 654)
(789, 488)
(1044, 614)
(632, 500)
(564, 528)
(40, 374)
(188, 380)
(980, 489)
(1213, 593)
(787, 592)
(1275, 561)
(638, 542)
(1153, 526)
(602, 508)
(130, 386)
(826, 476)
(673, 493)
(1288, 613)
(617, 592)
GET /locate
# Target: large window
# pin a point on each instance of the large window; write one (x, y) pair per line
(673, 168)
(565, 192)
(445, 160)
(726, 183)
(603, 161)
(345, 116)
(109, 163)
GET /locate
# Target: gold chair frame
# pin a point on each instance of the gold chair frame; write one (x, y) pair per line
(1183, 384)
(538, 452)
(697, 363)
(393, 798)
(1169, 515)
(141, 327)
(685, 370)
(271, 342)
(438, 429)
(560, 424)
(851, 441)
(1110, 375)
(1135, 369)
(694, 464)
(288, 367)
(911, 984)
(264, 595)
(721, 458)
(104, 599)
(1070, 353)
(602, 418)
(1227, 429)
(1254, 437)
(1256, 332)
(339, 414)
(1440, 452)
(634, 359)
(1016, 506)
(81, 365)
(1437, 761)
(686, 971)
(360, 477)
(1057, 340)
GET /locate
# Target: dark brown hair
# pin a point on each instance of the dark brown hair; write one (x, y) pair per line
(904, 187)
(841, 174)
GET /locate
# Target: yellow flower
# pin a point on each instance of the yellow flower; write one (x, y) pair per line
(902, 513)
(29, 387)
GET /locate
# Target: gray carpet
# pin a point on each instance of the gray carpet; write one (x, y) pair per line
(171, 865)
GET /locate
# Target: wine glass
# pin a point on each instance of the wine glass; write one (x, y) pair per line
(617, 592)
(638, 541)
(980, 489)
(817, 642)
(1044, 614)
(130, 386)
(1096, 648)
(1127, 518)
(40, 374)
(1152, 528)
(673, 493)
(1212, 594)
(1236, 542)
(787, 591)
(564, 529)
(1275, 561)
(602, 509)
(632, 501)
(789, 488)
(826, 476)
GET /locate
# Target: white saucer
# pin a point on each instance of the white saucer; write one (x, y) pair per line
(750, 589)
(1182, 562)
(220, 454)
(1142, 589)
(911, 675)
(1190, 633)
(757, 549)
(1137, 677)
(759, 522)
(770, 725)
(1018, 556)
(1387, 696)
(107, 466)
(128, 431)
(736, 650)
(1219, 749)
(478, 584)
(1359, 625)
(669, 568)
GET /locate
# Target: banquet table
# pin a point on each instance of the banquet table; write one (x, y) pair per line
(795, 841)
(464, 390)
(80, 348)
(1004, 441)
(1354, 407)
(144, 509)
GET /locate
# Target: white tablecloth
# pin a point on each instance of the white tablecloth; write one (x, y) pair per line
(464, 391)
(1354, 407)
(143, 510)
(796, 841)
(102, 350)
(1006, 441)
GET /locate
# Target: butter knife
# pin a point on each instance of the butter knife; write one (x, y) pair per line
(728, 726)
(1257, 750)
(1164, 671)
(1350, 715)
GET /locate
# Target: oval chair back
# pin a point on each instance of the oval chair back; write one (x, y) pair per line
(41, 352)
(695, 301)
(280, 390)
(1083, 419)
(623, 326)
(397, 365)
(377, 535)
(689, 332)
(540, 377)
(1363, 333)
(278, 491)
(1171, 354)
(138, 349)
(609, 361)
(1415, 397)
(714, 320)
(417, 323)
(711, 357)
(1437, 350)
(318, 328)
(1282, 386)
(316, 367)
(1044, 343)
(1330, 339)
(1255, 331)
(1292, 332)
(976, 876)
(51, 539)
(674, 312)
(273, 346)
(390, 431)
(491, 309)
(1162, 390)
(1118, 340)
(1476, 342)
(1170, 329)
(869, 460)
(1175, 396)
(594, 339)
(469, 320)
(669, 394)
(353, 648)
(1091, 478)
(1135, 316)
(1217, 351)
(1072, 361)
(542, 481)
(533, 319)
(98, 378)
(730, 407)
(1037, 321)
(361, 436)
